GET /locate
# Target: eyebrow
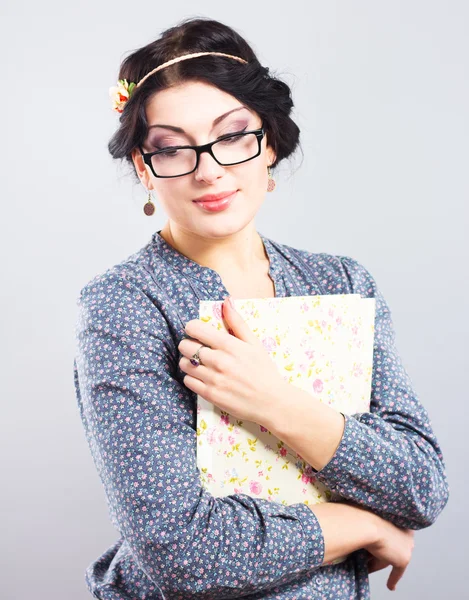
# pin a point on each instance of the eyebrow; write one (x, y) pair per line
(215, 122)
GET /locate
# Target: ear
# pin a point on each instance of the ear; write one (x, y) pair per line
(271, 156)
(269, 152)
(141, 168)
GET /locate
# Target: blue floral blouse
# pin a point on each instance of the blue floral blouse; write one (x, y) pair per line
(176, 540)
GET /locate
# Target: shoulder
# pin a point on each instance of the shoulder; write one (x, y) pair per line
(132, 273)
(338, 274)
(335, 273)
(125, 294)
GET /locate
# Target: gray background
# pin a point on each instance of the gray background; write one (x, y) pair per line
(381, 96)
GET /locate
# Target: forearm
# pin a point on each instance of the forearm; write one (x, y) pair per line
(345, 528)
(308, 426)
(393, 468)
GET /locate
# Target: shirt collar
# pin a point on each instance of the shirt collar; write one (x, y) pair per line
(189, 267)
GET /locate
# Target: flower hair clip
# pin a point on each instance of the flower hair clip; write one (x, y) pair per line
(120, 94)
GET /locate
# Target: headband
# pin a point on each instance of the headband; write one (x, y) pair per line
(121, 93)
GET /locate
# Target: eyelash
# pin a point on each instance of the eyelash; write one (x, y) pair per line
(218, 138)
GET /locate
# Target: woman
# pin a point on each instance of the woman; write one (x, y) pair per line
(143, 356)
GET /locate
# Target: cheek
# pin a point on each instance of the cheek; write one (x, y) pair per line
(253, 175)
(170, 191)
(259, 177)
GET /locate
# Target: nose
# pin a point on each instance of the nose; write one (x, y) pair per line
(208, 169)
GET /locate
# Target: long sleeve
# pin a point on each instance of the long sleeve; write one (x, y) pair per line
(139, 421)
(389, 459)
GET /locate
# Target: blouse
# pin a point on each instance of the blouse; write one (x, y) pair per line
(176, 540)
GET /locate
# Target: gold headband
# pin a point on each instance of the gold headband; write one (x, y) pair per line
(121, 93)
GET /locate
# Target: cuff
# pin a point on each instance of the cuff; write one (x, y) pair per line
(346, 457)
(314, 538)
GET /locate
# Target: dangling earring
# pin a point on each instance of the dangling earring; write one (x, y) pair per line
(271, 183)
(149, 207)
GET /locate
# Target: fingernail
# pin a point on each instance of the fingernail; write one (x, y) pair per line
(230, 300)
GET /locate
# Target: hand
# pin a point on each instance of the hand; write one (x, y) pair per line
(236, 372)
(393, 547)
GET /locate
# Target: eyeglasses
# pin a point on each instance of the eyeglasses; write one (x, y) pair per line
(231, 149)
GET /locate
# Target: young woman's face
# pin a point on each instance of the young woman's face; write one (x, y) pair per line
(194, 107)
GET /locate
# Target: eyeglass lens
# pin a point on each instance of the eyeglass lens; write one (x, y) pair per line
(229, 151)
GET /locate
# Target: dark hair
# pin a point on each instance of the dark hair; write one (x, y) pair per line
(250, 83)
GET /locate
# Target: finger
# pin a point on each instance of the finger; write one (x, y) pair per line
(396, 574)
(372, 566)
(236, 323)
(188, 347)
(200, 371)
(375, 564)
(208, 335)
(208, 393)
(210, 359)
(197, 386)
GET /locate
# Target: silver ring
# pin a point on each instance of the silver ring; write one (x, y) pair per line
(195, 359)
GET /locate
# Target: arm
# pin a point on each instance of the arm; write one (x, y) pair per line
(139, 421)
(346, 528)
(387, 460)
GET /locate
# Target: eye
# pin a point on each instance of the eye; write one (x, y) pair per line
(169, 152)
(231, 140)
(166, 148)
(165, 143)
(232, 132)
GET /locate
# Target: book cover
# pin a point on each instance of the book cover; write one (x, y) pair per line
(322, 344)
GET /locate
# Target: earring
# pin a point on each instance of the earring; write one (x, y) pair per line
(149, 207)
(271, 183)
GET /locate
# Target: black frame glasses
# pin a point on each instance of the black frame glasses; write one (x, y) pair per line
(204, 148)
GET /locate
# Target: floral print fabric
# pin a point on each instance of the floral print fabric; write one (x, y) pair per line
(176, 540)
(322, 344)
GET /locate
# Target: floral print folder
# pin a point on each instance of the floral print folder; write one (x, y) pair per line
(322, 344)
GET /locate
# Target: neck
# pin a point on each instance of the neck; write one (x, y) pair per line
(241, 252)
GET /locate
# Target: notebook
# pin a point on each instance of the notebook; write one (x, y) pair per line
(323, 344)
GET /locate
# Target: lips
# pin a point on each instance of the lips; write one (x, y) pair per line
(214, 197)
(217, 205)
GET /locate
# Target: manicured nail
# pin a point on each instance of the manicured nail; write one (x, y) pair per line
(231, 301)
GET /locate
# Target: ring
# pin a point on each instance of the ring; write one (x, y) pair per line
(195, 359)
